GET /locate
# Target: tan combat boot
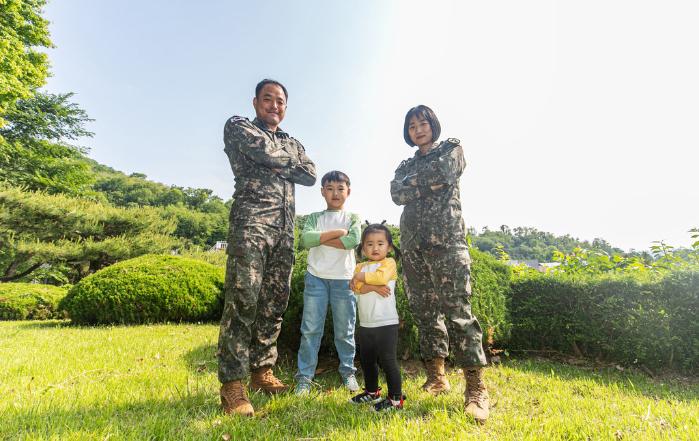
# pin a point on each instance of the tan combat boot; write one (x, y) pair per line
(437, 382)
(235, 400)
(263, 379)
(477, 402)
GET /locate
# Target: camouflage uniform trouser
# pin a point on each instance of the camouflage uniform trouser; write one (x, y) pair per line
(258, 274)
(437, 284)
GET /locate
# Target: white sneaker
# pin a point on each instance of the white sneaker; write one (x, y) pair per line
(350, 383)
(302, 388)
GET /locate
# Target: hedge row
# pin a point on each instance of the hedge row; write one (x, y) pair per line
(30, 301)
(148, 289)
(489, 301)
(653, 324)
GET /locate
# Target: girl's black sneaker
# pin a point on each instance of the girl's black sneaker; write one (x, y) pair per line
(367, 397)
(389, 404)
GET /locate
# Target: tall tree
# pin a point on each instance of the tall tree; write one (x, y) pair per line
(34, 152)
(22, 67)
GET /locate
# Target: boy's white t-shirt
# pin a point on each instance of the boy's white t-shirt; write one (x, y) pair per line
(373, 309)
(325, 261)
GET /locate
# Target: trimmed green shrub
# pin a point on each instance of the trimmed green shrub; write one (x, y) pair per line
(490, 295)
(490, 281)
(680, 294)
(148, 289)
(290, 335)
(30, 301)
(610, 318)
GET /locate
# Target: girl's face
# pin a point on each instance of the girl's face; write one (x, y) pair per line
(420, 131)
(375, 246)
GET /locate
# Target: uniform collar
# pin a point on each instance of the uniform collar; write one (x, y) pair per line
(261, 124)
(417, 152)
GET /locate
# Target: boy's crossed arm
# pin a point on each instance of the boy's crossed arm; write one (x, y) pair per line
(340, 238)
(331, 238)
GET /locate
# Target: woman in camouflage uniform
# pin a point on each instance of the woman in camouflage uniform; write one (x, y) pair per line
(436, 261)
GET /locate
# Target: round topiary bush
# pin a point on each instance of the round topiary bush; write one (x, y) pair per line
(30, 301)
(148, 289)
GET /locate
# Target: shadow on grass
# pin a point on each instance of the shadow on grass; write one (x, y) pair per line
(196, 415)
(41, 324)
(629, 382)
(202, 361)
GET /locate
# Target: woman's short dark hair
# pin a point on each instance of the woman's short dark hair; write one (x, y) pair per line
(428, 115)
(335, 176)
(267, 81)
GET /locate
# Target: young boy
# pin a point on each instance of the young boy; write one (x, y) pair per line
(331, 237)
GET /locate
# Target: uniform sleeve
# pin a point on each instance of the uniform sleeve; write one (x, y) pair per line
(402, 193)
(383, 274)
(310, 236)
(354, 233)
(302, 172)
(241, 134)
(445, 169)
(357, 284)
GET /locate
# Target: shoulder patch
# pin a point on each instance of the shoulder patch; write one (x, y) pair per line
(453, 141)
(236, 118)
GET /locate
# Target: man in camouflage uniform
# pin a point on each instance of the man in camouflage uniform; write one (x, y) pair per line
(435, 258)
(266, 162)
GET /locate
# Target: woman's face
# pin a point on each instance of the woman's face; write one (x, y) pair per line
(420, 131)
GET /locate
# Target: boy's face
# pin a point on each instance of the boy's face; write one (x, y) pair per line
(335, 194)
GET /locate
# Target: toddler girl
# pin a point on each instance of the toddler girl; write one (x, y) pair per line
(374, 284)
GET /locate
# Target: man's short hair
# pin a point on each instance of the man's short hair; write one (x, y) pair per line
(425, 112)
(267, 81)
(334, 176)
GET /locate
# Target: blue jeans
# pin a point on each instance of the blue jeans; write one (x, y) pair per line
(316, 295)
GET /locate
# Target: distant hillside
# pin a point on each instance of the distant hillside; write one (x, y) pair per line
(524, 243)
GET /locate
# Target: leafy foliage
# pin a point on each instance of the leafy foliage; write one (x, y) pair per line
(39, 229)
(489, 301)
(30, 301)
(45, 116)
(22, 67)
(491, 294)
(523, 243)
(618, 318)
(148, 289)
(33, 153)
(201, 218)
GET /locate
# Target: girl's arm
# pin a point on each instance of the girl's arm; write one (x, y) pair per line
(383, 274)
(382, 290)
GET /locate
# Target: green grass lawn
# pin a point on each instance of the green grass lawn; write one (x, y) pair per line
(159, 382)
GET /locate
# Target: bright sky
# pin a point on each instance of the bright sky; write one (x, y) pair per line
(576, 118)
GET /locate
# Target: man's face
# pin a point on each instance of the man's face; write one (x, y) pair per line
(335, 194)
(270, 105)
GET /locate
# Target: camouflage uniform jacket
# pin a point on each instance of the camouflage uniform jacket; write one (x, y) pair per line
(431, 218)
(266, 166)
